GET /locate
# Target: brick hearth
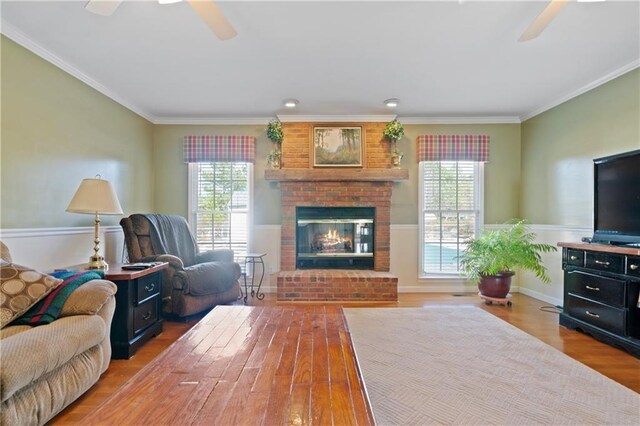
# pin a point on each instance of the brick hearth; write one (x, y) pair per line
(337, 285)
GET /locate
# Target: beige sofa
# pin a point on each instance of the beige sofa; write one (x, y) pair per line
(46, 368)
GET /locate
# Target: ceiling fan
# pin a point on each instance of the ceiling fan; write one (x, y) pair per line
(548, 14)
(207, 9)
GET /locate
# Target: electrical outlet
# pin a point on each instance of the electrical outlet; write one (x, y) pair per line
(271, 269)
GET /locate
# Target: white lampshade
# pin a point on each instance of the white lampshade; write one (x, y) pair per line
(95, 196)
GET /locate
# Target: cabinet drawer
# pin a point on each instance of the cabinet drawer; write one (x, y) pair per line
(605, 317)
(147, 286)
(145, 315)
(633, 266)
(605, 262)
(575, 257)
(600, 289)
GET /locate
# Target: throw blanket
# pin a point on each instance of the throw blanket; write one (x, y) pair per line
(48, 309)
(170, 234)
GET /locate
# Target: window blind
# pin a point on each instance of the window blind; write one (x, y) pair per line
(221, 206)
(450, 212)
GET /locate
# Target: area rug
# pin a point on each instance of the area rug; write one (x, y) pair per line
(464, 366)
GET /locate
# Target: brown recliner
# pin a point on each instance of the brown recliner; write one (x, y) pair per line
(193, 281)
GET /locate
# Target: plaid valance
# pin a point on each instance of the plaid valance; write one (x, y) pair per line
(211, 149)
(453, 148)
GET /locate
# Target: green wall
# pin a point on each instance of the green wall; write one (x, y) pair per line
(559, 145)
(171, 180)
(56, 131)
(502, 173)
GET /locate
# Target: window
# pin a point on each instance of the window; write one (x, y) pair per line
(451, 195)
(220, 205)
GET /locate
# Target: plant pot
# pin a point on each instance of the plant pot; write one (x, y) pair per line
(275, 163)
(395, 160)
(497, 286)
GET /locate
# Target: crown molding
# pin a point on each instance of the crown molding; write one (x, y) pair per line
(213, 120)
(14, 34)
(20, 38)
(460, 120)
(335, 118)
(599, 82)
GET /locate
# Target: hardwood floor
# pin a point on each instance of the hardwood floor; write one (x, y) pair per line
(287, 385)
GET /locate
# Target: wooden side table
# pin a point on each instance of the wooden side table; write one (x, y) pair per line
(138, 307)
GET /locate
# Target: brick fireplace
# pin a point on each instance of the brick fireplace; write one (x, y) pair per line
(305, 187)
(336, 194)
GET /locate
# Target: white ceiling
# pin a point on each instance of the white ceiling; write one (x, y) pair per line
(441, 59)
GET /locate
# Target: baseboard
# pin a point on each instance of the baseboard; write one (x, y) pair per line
(439, 288)
(540, 296)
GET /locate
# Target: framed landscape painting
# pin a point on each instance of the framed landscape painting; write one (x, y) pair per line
(337, 146)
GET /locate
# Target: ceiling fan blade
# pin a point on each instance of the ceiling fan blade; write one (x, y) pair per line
(553, 8)
(102, 7)
(214, 18)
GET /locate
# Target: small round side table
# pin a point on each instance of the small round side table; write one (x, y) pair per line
(253, 259)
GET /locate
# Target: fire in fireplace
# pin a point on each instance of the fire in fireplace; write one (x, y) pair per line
(335, 237)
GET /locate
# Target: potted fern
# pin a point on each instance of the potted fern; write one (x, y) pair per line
(491, 258)
(393, 132)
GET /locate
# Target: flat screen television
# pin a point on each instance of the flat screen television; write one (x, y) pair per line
(617, 198)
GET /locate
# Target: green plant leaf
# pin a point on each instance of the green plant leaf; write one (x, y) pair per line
(505, 250)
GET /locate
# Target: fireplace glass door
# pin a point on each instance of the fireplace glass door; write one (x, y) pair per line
(335, 237)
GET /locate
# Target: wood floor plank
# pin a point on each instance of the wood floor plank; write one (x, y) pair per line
(290, 351)
(239, 360)
(211, 411)
(321, 404)
(182, 400)
(342, 405)
(234, 409)
(299, 405)
(130, 398)
(279, 398)
(320, 357)
(337, 363)
(264, 380)
(302, 369)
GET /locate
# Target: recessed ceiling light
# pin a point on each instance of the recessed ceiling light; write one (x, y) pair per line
(168, 1)
(291, 103)
(392, 103)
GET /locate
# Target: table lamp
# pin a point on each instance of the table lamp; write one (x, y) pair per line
(95, 196)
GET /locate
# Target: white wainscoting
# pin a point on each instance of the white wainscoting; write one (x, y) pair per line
(47, 249)
(266, 239)
(404, 260)
(50, 248)
(551, 234)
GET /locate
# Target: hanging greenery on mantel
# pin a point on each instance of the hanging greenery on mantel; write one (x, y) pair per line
(393, 132)
(275, 133)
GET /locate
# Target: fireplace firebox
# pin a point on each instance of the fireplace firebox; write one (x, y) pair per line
(335, 237)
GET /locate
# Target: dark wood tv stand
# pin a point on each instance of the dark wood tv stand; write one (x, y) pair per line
(602, 293)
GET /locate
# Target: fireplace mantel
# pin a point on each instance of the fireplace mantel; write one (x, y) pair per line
(336, 174)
